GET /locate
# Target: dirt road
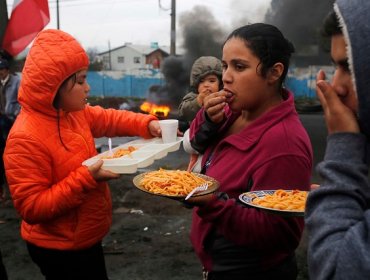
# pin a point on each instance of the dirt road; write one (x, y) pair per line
(149, 238)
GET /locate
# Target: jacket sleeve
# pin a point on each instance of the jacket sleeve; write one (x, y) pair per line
(12, 107)
(189, 107)
(255, 228)
(338, 214)
(112, 123)
(36, 197)
(203, 131)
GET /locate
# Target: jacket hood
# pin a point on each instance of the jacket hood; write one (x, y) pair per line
(355, 22)
(54, 56)
(203, 66)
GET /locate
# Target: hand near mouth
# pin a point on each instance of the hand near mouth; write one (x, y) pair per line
(202, 95)
(214, 105)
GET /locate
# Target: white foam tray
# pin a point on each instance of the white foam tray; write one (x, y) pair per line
(148, 150)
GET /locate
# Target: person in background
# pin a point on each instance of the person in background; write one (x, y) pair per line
(252, 139)
(3, 273)
(9, 109)
(65, 207)
(205, 78)
(338, 211)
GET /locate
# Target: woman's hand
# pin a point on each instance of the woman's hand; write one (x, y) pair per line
(100, 174)
(338, 117)
(200, 200)
(214, 105)
(314, 187)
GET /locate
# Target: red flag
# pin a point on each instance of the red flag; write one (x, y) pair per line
(28, 17)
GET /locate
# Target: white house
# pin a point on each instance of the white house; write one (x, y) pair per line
(131, 57)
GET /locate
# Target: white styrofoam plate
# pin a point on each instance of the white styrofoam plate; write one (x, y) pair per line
(148, 150)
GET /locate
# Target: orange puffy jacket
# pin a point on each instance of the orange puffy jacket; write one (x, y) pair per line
(61, 205)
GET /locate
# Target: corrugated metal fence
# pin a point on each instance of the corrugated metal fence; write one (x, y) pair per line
(301, 81)
(121, 84)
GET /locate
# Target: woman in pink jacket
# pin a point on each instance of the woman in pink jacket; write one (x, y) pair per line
(65, 206)
(252, 139)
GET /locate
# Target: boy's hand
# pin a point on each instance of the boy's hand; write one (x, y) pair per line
(100, 174)
(201, 96)
(338, 117)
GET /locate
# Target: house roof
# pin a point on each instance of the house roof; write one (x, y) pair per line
(143, 49)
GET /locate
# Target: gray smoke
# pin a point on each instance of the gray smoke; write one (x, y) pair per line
(173, 69)
(246, 12)
(300, 21)
(202, 35)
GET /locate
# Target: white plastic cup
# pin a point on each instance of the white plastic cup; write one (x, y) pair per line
(169, 130)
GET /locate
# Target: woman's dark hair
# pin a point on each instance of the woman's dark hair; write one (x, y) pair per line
(56, 102)
(331, 25)
(267, 43)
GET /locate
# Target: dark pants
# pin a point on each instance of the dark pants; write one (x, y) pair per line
(287, 270)
(3, 274)
(70, 265)
(2, 169)
(5, 126)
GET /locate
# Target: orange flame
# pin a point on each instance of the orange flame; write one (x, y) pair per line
(156, 110)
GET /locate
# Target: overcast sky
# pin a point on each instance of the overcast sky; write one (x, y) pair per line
(96, 22)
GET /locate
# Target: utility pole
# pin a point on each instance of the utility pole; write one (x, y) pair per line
(110, 56)
(3, 19)
(57, 14)
(173, 28)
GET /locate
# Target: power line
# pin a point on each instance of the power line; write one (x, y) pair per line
(66, 1)
(76, 3)
(163, 8)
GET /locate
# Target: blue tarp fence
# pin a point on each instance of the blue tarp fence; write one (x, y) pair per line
(120, 84)
(301, 81)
